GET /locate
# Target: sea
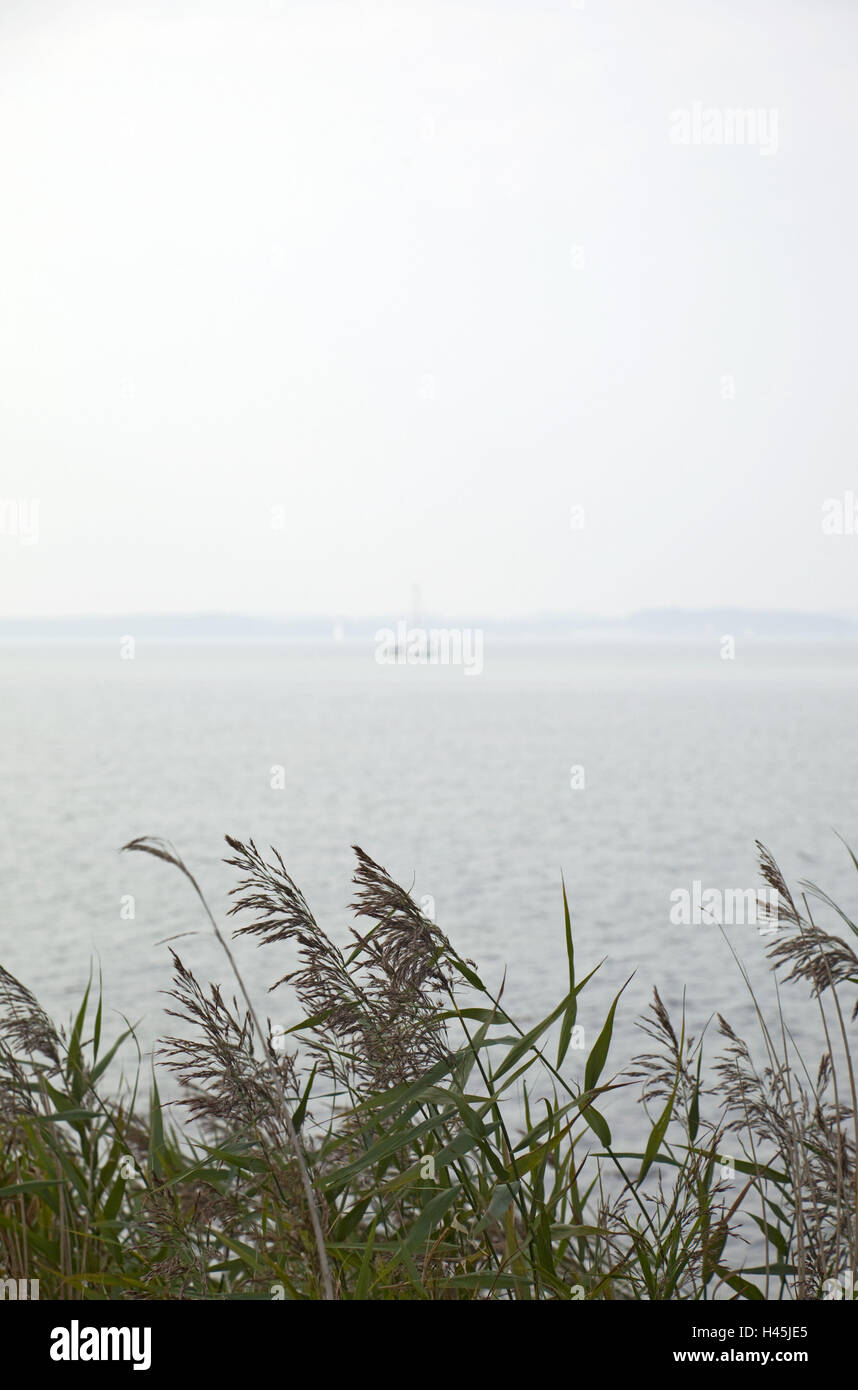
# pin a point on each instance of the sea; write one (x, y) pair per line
(629, 770)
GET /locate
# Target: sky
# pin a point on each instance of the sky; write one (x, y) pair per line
(303, 304)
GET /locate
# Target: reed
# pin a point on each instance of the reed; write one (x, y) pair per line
(413, 1141)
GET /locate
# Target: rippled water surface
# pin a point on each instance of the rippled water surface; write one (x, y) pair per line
(459, 784)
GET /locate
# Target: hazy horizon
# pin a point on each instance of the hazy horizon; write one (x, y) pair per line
(676, 622)
(562, 615)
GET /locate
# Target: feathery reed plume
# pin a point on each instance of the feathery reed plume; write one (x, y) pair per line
(24, 1025)
(822, 958)
(658, 1070)
(690, 1217)
(323, 982)
(24, 1028)
(402, 959)
(376, 1020)
(804, 1135)
(161, 850)
(226, 1080)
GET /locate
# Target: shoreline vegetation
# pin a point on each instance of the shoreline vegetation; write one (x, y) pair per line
(409, 1140)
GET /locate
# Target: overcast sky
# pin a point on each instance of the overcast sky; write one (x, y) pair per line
(304, 303)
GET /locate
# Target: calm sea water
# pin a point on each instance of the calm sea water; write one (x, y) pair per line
(460, 785)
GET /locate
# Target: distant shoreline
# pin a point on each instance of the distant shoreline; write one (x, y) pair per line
(659, 625)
